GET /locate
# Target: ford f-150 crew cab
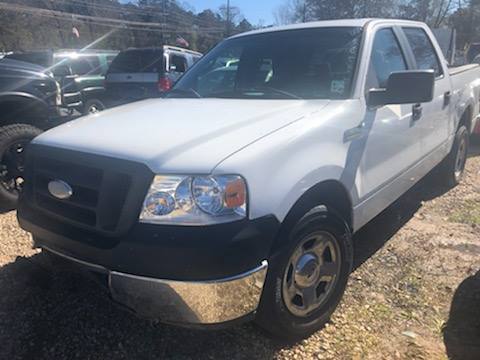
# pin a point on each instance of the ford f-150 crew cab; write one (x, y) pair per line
(236, 196)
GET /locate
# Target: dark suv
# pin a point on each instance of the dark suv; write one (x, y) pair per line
(142, 73)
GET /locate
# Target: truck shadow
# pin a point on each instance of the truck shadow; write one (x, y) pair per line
(474, 146)
(373, 236)
(461, 333)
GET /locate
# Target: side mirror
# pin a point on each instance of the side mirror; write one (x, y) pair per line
(404, 87)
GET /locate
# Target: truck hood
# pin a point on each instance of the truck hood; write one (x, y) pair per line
(23, 69)
(178, 135)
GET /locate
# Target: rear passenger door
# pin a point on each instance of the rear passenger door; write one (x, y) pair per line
(393, 141)
(434, 120)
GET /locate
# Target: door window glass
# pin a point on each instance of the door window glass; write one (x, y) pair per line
(151, 61)
(386, 58)
(178, 63)
(85, 65)
(423, 50)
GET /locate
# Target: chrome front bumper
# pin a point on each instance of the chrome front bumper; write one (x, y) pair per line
(185, 302)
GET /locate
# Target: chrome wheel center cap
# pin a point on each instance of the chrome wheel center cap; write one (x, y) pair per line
(307, 270)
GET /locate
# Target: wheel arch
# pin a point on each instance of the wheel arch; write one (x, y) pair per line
(466, 118)
(33, 111)
(330, 193)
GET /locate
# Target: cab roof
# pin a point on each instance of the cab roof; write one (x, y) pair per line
(327, 23)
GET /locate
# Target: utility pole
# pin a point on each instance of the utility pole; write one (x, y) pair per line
(164, 22)
(228, 17)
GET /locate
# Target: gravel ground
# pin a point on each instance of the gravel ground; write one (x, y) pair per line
(415, 293)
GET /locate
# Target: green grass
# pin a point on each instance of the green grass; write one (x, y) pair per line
(467, 213)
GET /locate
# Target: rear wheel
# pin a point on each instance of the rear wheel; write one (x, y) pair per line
(453, 165)
(306, 282)
(13, 141)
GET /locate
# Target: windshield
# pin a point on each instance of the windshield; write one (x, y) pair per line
(297, 64)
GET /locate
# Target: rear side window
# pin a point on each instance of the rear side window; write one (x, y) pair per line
(178, 63)
(138, 61)
(386, 58)
(125, 62)
(152, 61)
(86, 65)
(423, 51)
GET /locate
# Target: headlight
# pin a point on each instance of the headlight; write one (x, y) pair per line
(195, 200)
(58, 96)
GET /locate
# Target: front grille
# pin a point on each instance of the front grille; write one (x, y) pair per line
(107, 192)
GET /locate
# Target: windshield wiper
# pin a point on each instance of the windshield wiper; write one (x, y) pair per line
(252, 92)
(184, 92)
(273, 90)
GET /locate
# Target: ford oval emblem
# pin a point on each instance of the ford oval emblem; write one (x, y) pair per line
(60, 189)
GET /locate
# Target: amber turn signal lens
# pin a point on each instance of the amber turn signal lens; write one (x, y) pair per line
(235, 194)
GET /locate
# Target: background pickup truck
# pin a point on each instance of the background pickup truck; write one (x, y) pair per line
(238, 200)
(29, 102)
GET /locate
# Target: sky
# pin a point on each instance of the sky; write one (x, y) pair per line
(253, 10)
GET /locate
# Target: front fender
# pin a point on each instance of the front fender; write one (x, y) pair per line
(284, 165)
(14, 105)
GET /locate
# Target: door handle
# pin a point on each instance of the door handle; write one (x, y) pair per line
(447, 96)
(417, 112)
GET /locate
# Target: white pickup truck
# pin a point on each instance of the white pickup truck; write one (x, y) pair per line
(236, 196)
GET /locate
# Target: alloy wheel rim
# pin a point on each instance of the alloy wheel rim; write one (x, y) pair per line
(12, 167)
(311, 274)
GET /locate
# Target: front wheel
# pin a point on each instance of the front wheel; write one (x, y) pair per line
(306, 282)
(93, 106)
(13, 141)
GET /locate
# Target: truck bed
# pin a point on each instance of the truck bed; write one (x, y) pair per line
(466, 79)
(460, 69)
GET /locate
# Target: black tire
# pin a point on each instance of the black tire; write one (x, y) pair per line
(273, 314)
(93, 106)
(452, 168)
(11, 136)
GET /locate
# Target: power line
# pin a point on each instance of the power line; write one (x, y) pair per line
(117, 9)
(228, 17)
(175, 14)
(38, 11)
(103, 21)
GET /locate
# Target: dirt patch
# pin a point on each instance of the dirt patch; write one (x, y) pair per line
(414, 293)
